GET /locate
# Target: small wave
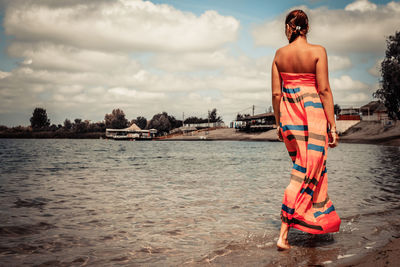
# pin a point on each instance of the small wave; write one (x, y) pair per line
(38, 202)
(27, 229)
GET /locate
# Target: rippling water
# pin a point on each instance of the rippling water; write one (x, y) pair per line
(97, 202)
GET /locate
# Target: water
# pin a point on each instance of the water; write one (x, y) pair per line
(98, 202)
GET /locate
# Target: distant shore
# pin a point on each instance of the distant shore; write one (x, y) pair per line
(52, 135)
(362, 133)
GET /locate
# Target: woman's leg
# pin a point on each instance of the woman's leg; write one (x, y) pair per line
(283, 241)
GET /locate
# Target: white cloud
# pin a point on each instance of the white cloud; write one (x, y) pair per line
(361, 5)
(349, 92)
(361, 27)
(338, 63)
(122, 25)
(81, 59)
(123, 93)
(375, 69)
(193, 61)
(48, 56)
(4, 74)
(346, 83)
(357, 98)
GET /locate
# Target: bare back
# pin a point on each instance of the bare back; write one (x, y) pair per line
(298, 57)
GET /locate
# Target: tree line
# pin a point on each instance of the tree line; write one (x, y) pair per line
(40, 125)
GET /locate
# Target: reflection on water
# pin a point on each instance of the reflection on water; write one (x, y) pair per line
(96, 202)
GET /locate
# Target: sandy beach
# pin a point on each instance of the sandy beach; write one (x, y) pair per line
(373, 133)
(225, 134)
(364, 132)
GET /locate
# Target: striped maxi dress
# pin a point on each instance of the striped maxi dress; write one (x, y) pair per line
(306, 205)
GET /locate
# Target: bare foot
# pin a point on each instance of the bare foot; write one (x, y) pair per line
(283, 245)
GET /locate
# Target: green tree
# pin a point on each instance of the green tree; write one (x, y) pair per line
(141, 122)
(336, 109)
(174, 122)
(241, 116)
(116, 120)
(96, 127)
(389, 92)
(39, 119)
(80, 126)
(160, 122)
(213, 116)
(67, 124)
(194, 119)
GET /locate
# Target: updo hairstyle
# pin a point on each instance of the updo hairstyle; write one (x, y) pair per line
(298, 23)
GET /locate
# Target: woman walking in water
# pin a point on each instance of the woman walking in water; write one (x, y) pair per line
(303, 108)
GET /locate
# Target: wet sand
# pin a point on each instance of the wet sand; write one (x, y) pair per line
(225, 134)
(385, 256)
(307, 250)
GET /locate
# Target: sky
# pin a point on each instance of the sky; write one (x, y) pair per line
(82, 59)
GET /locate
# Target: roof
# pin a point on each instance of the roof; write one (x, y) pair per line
(132, 128)
(374, 106)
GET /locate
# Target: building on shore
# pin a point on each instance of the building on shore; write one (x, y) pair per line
(374, 111)
(256, 123)
(133, 132)
(349, 114)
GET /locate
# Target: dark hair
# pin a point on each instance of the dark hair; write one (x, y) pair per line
(297, 18)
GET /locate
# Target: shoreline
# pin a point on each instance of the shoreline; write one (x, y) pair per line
(387, 141)
(363, 132)
(379, 136)
(386, 255)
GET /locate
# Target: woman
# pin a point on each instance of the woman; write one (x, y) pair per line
(303, 108)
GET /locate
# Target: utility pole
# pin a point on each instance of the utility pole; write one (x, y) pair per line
(253, 110)
(208, 119)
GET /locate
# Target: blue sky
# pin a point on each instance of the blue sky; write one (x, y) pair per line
(81, 59)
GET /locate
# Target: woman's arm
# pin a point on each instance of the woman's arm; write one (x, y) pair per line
(276, 84)
(324, 88)
(325, 93)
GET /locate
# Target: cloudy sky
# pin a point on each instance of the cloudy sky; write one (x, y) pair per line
(81, 59)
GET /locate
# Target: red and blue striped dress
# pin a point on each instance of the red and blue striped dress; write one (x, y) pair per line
(306, 205)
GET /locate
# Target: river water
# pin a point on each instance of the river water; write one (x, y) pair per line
(107, 203)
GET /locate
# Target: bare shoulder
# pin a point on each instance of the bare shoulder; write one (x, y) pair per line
(278, 52)
(281, 51)
(318, 49)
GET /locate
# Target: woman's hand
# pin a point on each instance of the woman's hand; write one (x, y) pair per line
(333, 138)
(279, 133)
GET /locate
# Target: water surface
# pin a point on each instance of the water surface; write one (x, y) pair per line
(98, 202)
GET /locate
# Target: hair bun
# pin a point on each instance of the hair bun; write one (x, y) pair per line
(297, 20)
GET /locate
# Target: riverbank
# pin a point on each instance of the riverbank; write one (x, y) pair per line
(51, 135)
(364, 132)
(224, 134)
(370, 132)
